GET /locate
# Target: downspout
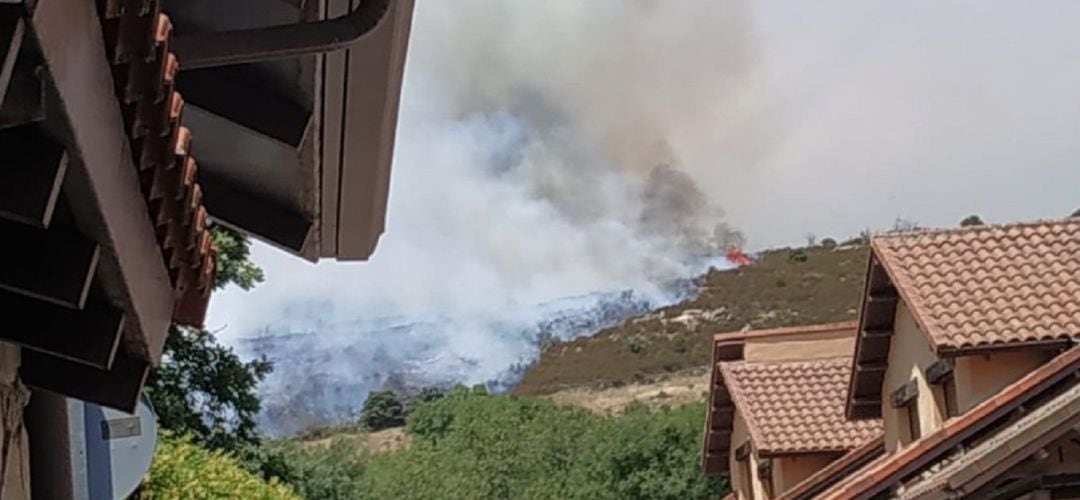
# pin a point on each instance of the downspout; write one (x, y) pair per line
(225, 48)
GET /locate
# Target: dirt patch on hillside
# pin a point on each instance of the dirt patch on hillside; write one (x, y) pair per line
(368, 442)
(673, 390)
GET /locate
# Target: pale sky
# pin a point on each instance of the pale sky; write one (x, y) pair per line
(527, 130)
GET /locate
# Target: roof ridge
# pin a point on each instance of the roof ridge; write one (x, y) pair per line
(786, 330)
(843, 358)
(974, 229)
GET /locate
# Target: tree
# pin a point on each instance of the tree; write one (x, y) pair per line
(202, 388)
(1076, 213)
(828, 243)
(182, 469)
(234, 265)
(382, 410)
(972, 220)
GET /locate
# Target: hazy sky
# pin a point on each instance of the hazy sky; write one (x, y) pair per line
(531, 135)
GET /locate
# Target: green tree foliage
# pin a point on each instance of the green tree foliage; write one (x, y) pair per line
(334, 471)
(233, 263)
(182, 469)
(202, 388)
(382, 410)
(828, 243)
(490, 447)
(972, 220)
(426, 395)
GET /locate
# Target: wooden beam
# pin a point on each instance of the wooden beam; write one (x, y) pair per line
(117, 388)
(241, 95)
(904, 394)
(259, 217)
(102, 184)
(12, 28)
(88, 337)
(375, 70)
(24, 102)
(31, 173)
(865, 408)
(47, 264)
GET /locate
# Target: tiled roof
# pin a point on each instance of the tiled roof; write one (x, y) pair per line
(880, 474)
(829, 475)
(797, 407)
(729, 347)
(137, 38)
(989, 285)
(962, 474)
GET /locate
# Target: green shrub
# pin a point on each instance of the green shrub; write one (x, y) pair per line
(971, 220)
(382, 410)
(334, 471)
(493, 447)
(637, 343)
(798, 255)
(828, 243)
(183, 470)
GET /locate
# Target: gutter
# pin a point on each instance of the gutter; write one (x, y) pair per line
(226, 48)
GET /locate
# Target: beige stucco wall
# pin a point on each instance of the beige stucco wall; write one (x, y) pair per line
(980, 377)
(800, 347)
(17, 477)
(789, 471)
(739, 435)
(910, 354)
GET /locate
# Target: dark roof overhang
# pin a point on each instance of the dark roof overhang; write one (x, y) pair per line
(295, 151)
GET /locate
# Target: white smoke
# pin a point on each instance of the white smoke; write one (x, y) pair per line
(556, 148)
(545, 149)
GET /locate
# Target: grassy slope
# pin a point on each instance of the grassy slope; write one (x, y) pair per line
(776, 291)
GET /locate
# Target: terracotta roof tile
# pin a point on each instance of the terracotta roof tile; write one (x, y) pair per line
(878, 475)
(962, 473)
(797, 407)
(989, 285)
(829, 475)
(138, 38)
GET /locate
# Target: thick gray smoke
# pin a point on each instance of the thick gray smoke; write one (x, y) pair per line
(545, 149)
(556, 148)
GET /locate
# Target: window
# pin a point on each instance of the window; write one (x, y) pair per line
(746, 477)
(906, 401)
(765, 474)
(948, 397)
(940, 375)
(913, 427)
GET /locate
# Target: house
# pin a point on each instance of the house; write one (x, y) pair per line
(776, 412)
(966, 353)
(128, 128)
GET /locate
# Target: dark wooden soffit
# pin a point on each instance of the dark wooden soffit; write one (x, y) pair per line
(876, 315)
(118, 387)
(51, 265)
(720, 413)
(102, 181)
(33, 171)
(251, 214)
(89, 336)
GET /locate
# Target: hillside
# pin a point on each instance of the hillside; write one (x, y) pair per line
(777, 290)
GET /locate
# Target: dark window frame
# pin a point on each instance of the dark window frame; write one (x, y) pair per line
(906, 400)
(940, 375)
